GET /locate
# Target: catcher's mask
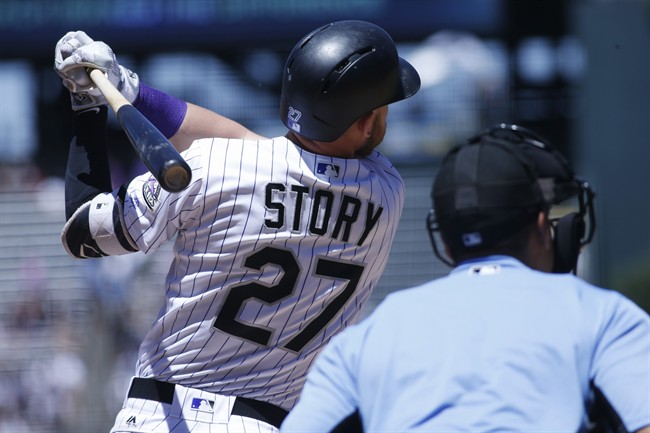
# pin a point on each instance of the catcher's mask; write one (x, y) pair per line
(490, 187)
(338, 73)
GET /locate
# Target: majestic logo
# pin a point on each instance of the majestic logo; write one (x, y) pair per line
(131, 421)
(292, 119)
(151, 192)
(202, 405)
(327, 169)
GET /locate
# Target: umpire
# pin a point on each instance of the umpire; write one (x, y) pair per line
(511, 339)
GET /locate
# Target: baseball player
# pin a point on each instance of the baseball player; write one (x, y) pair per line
(510, 340)
(278, 242)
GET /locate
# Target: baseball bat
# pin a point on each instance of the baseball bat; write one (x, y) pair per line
(154, 150)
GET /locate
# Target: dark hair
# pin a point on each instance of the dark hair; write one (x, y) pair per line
(514, 245)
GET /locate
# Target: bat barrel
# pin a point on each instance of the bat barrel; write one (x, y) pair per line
(176, 177)
(155, 151)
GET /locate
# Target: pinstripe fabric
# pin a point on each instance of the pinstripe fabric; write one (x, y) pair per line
(267, 238)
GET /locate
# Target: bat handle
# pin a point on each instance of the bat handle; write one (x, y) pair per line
(113, 96)
(154, 150)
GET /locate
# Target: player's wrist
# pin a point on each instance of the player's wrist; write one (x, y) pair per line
(127, 82)
(166, 112)
(97, 113)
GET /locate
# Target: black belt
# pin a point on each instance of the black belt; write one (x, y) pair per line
(163, 392)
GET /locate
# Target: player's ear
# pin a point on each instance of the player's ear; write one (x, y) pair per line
(366, 122)
(543, 230)
(543, 243)
(448, 251)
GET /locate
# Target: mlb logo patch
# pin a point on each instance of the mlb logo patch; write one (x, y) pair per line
(327, 169)
(202, 405)
(472, 239)
(294, 125)
(292, 119)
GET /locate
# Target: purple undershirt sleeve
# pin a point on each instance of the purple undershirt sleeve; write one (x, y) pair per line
(166, 112)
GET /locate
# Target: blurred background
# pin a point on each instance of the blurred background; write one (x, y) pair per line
(578, 72)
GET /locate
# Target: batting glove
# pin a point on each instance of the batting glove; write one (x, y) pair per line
(74, 54)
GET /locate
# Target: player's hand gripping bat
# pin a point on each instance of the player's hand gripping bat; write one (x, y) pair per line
(151, 146)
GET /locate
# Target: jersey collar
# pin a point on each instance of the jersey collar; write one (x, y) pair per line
(495, 260)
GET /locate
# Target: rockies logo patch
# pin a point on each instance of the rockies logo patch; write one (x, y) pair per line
(151, 192)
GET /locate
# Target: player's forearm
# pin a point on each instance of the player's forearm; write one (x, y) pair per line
(94, 224)
(203, 123)
(87, 172)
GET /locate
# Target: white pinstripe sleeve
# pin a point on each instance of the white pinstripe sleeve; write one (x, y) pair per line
(153, 215)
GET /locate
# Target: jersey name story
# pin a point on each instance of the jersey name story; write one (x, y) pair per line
(351, 211)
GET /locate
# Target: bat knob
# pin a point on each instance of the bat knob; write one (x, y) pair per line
(176, 178)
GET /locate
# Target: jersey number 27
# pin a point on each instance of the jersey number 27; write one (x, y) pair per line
(227, 321)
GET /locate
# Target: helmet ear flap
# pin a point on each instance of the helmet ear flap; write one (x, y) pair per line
(568, 233)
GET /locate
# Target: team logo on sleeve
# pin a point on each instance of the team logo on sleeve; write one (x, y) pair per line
(151, 192)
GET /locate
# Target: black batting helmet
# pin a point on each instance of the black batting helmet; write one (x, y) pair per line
(338, 73)
(494, 184)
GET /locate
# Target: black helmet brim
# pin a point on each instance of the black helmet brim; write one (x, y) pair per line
(409, 80)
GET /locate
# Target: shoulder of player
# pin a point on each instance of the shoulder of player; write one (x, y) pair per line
(380, 160)
(208, 141)
(201, 144)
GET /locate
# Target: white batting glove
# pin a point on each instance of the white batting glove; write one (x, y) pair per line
(74, 54)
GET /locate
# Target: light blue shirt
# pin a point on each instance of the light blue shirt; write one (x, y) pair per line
(494, 346)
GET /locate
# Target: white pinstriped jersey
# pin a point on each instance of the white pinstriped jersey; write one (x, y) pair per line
(276, 250)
